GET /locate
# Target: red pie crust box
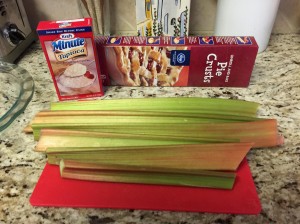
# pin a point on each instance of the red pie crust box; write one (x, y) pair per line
(198, 61)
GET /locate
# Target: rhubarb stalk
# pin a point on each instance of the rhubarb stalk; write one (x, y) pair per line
(222, 180)
(223, 156)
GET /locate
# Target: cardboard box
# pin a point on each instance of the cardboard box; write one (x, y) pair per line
(160, 18)
(177, 61)
(71, 55)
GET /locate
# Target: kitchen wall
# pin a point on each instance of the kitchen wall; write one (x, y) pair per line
(38, 10)
(123, 14)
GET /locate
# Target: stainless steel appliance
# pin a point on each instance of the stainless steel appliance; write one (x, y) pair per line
(15, 31)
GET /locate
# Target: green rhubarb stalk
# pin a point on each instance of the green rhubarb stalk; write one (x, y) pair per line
(190, 114)
(91, 121)
(76, 164)
(262, 133)
(73, 138)
(214, 180)
(206, 105)
(222, 156)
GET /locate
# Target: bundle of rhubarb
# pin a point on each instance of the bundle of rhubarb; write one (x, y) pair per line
(195, 142)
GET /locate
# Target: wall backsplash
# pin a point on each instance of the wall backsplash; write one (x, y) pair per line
(201, 22)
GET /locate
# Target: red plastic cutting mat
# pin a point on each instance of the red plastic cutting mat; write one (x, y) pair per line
(52, 190)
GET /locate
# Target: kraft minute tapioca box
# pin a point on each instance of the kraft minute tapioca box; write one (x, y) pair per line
(71, 55)
(177, 61)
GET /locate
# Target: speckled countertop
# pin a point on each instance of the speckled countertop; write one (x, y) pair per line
(275, 84)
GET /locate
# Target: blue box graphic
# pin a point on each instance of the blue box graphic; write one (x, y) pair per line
(180, 57)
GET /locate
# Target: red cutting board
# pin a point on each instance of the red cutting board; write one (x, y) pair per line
(52, 190)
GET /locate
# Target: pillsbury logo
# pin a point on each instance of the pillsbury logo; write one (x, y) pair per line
(181, 58)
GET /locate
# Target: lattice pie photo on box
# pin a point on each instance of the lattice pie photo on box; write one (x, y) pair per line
(142, 65)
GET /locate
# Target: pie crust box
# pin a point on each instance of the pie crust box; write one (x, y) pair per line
(70, 51)
(198, 61)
